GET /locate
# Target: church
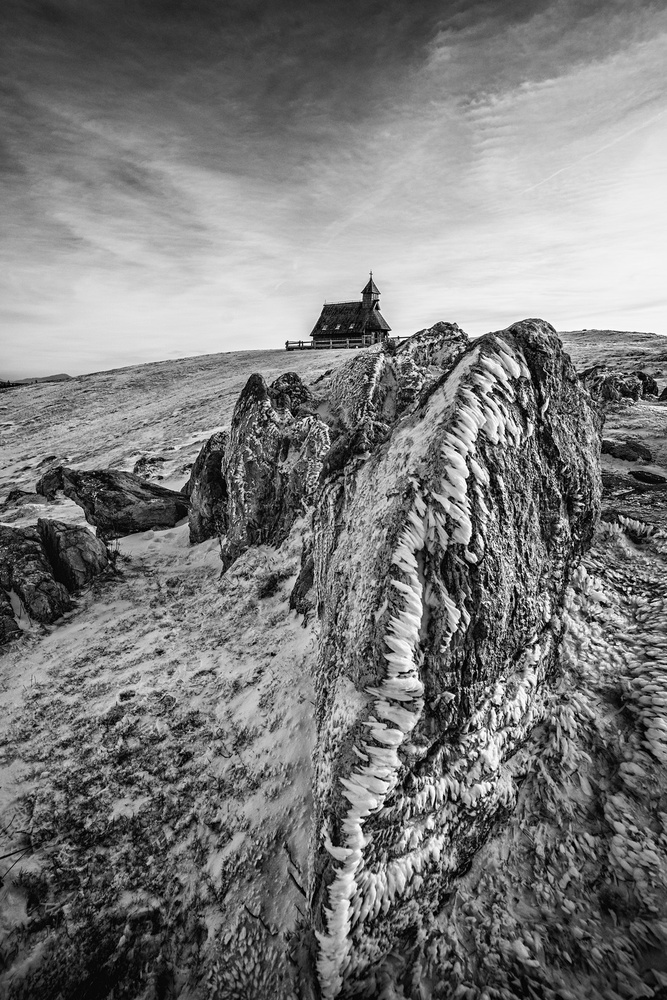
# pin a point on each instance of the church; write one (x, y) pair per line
(349, 324)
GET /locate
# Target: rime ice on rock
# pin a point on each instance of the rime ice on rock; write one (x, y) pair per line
(441, 569)
(251, 484)
(272, 462)
(370, 392)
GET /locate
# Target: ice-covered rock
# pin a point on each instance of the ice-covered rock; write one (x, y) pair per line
(207, 490)
(74, 552)
(441, 569)
(365, 397)
(272, 462)
(117, 503)
(25, 570)
(252, 485)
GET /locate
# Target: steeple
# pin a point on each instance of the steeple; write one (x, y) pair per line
(370, 294)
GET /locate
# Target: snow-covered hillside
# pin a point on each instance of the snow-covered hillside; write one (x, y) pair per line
(156, 743)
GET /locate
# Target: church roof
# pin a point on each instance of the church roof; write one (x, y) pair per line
(344, 319)
(371, 288)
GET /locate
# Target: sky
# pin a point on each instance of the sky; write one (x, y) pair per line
(183, 177)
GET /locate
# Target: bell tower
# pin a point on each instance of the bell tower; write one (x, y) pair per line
(371, 295)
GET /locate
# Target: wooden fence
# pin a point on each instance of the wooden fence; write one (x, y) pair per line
(333, 344)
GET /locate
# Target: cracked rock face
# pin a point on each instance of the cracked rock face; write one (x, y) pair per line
(272, 462)
(441, 564)
(117, 503)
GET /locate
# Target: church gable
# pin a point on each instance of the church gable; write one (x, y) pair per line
(341, 319)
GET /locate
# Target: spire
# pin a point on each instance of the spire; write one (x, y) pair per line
(371, 288)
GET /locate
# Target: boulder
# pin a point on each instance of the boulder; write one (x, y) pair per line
(652, 478)
(24, 568)
(630, 450)
(207, 489)
(608, 385)
(441, 568)
(272, 463)
(663, 395)
(74, 552)
(117, 503)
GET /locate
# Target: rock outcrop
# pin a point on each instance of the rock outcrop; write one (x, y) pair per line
(25, 570)
(250, 485)
(207, 490)
(74, 552)
(608, 385)
(272, 462)
(42, 566)
(117, 503)
(441, 565)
